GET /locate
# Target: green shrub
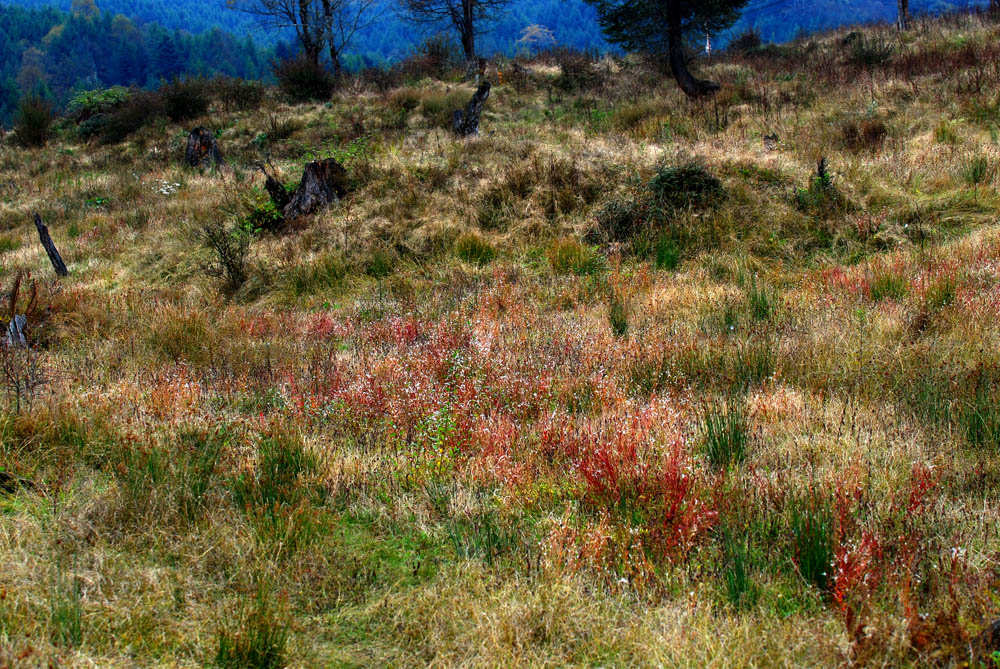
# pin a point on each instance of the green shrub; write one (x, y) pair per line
(437, 107)
(483, 537)
(324, 273)
(238, 94)
(262, 214)
(868, 51)
(752, 365)
(86, 104)
(684, 186)
(976, 171)
(821, 197)
(940, 294)
(229, 251)
(380, 264)
(33, 122)
(619, 220)
(8, 244)
(301, 80)
(567, 256)
(474, 249)
(140, 110)
(185, 99)
(944, 133)
(726, 433)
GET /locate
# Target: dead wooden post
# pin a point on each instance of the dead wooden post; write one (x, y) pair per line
(467, 123)
(43, 234)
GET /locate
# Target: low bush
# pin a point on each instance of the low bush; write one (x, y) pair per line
(141, 109)
(887, 285)
(33, 122)
(863, 135)
(432, 58)
(746, 42)
(238, 94)
(229, 248)
(279, 480)
(821, 198)
(301, 80)
(184, 99)
(684, 186)
(868, 51)
(87, 104)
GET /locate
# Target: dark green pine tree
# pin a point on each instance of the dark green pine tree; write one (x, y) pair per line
(169, 60)
(659, 27)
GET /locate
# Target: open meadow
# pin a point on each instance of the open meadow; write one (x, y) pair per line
(624, 380)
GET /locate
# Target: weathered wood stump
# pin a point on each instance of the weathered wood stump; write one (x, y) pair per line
(323, 183)
(202, 149)
(15, 331)
(279, 196)
(466, 123)
(50, 248)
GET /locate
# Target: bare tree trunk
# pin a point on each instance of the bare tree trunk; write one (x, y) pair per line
(692, 86)
(468, 31)
(338, 68)
(43, 234)
(903, 16)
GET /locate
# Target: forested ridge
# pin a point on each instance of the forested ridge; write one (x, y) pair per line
(55, 48)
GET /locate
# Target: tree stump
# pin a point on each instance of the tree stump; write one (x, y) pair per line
(276, 190)
(323, 183)
(467, 123)
(43, 234)
(202, 149)
(15, 331)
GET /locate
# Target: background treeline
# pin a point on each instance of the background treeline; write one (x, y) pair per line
(784, 20)
(53, 49)
(52, 54)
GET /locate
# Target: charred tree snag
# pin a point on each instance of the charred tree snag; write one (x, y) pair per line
(467, 123)
(202, 149)
(276, 190)
(43, 234)
(323, 183)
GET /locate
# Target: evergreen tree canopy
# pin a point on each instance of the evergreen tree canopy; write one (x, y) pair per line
(659, 27)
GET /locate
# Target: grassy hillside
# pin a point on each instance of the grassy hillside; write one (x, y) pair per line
(621, 381)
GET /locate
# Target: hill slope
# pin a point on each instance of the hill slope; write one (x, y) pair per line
(624, 380)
